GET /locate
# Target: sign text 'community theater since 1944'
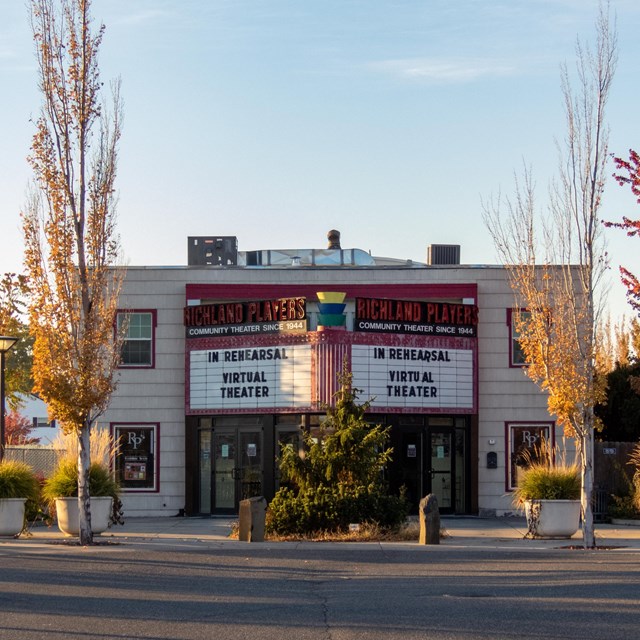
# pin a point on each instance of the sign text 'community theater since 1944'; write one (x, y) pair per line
(380, 315)
(284, 315)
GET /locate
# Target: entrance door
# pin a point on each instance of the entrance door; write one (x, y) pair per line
(232, 460)
(430, 455)
(441, 467)
(224, 470)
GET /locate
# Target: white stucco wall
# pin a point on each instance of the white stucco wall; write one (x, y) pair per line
(158, 394)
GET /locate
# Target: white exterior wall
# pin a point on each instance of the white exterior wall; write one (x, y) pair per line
(158, 394)
(505, 393)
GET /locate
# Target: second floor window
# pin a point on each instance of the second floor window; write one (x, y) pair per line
(517, 356)
(137, 347)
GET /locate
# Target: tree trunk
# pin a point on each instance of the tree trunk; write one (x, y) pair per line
(84, 502)
(586, 463)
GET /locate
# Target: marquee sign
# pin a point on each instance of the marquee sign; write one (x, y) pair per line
(284, 315)
(414, 378)
(250, 378)
(381, 315)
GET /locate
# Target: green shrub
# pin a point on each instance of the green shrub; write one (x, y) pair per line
(63, 483)
(339, 479)
(326, 508)
(17, 480)
(623, 507)
(541, 481)
(627, 506)
(634, 460)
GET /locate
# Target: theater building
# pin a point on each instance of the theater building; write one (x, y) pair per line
(237, 352)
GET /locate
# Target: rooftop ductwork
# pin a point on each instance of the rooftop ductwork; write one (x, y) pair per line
(443, 254)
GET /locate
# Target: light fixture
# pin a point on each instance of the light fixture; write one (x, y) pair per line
(6, 342)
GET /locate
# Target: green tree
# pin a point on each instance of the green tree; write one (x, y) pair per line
(71, 246)
(339, 479)
(18, 381)
(619, 412)
(557, 280)
(619, 365)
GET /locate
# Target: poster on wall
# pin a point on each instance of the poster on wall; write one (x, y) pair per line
(134, 458)
(413, 378)
(250, 378)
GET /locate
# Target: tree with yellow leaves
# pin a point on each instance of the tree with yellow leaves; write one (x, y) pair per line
(71, 246)
(556, 263)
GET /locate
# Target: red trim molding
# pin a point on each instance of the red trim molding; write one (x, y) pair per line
(253, 291)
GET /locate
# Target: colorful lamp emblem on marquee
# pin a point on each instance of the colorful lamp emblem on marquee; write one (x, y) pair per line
(331, 307)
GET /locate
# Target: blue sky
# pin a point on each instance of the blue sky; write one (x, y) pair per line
(277, 120)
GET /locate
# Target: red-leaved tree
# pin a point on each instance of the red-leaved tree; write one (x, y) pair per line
(630, 176)
(18, 429)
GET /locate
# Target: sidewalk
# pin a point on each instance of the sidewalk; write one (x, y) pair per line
(459, 531)
(511, 531)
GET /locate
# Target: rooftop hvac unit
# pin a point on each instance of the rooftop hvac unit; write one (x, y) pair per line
(443, 254)
(212, 250)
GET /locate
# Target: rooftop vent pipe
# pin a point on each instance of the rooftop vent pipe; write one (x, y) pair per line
(334, 239)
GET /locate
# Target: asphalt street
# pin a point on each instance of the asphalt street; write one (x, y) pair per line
(192, 588)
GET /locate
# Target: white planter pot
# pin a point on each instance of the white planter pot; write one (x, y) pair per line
(552, 518)
(69, 516)
(11, 516)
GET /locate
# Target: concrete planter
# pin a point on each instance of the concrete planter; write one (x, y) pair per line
(11, 516)
(552, 518)
(69, 516)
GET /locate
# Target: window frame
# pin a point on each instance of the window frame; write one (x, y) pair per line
(120, 428)
(509, 429)
(154, 323)
(513, 338)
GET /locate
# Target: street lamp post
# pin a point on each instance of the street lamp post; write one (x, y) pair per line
(6, 342)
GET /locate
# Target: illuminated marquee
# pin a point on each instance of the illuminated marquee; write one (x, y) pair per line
(381, 315)
(284, 315)
(250, 378)
(407, 377)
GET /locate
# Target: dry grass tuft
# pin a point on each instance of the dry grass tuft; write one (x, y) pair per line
(103, 446)
(368, 532)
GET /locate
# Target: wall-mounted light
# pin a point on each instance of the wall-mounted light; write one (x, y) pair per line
(6, 342)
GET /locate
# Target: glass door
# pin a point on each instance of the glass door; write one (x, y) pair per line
(409, 475)
(405, 472)
(442, 467)
(224, 470)
(431, 455)
(204, 470)
(230, 467)
(249, 465)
